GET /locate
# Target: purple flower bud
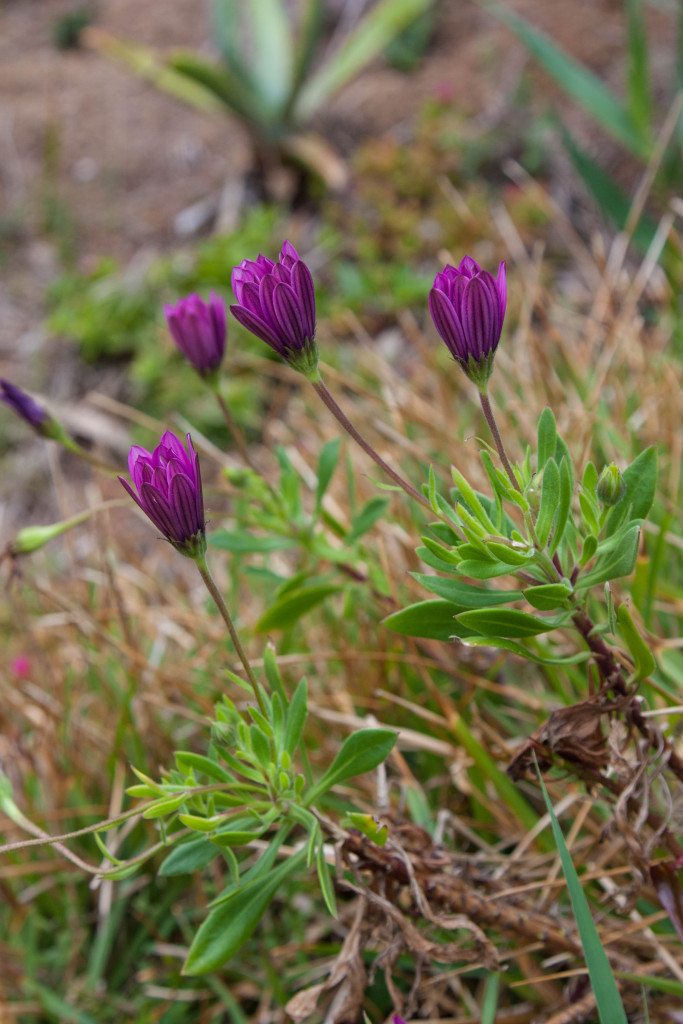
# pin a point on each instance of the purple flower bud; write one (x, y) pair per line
(169, 491)
(467, 305)
(199, 330)
(25, 407)
(276, 302)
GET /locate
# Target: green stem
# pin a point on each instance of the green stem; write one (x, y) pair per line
(205, 574)
(348, 426)
(83, 453)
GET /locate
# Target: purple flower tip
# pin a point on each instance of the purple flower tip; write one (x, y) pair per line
(276, 302)
(467, 305)
(199, 329)
(25, 407)
(167, 485)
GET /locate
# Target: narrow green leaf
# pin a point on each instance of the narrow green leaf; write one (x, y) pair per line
(616, 558)
(327, 464)
(564, 503)
(272, 62)
(372, 34)
(433, 620)
(287, 610)
(296, 718)
(609, 1004)
(576, 80)
(163, 807)
(550, 500)
(467, 494)
(231, 923)
(643, 658)
(641, 484)
(360, 752)
(504, 622)
(366, 519)
(464, 594)
(548, 596)
(326, 886)
(192, 855)
(187, 761)
(242, 543)
(612, 202)
(639, 95)
(547, 437)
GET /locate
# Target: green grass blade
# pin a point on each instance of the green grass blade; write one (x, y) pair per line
(578, 82)
(273, 51)
(639, 94)
(613, 203)
(609, 1004)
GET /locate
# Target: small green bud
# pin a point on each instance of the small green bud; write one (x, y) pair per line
(610, 487)
(285, 760)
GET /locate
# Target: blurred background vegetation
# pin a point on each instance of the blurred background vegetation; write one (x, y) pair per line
(146, 149)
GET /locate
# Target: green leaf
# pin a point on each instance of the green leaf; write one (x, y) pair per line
(360, 752)
(548, 596)
(464, 594)
(327, 463)
(232, 922)
(296, 717)
(550, 500)
(616, 557)
(222, 83)
(612, 202)
(639, 96)
(189, 761)
(526, 652)
(163, 807)
(547, 437)
(372, 35)
(641, 484)
(643, 658)
(467, 494)
(287, 610)
(242, 543)
(480, 569)
(326, 886)
(607, 998)
(504, 622)
(187, 857)
(510, 555)
(272, 61)
(576, 80)
(564, 502)
(433, 620)
(366, 519)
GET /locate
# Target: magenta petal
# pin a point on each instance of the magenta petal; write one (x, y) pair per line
(257, 326)
(501, 285)
(447, 323)
(289, 316)
(304, 289)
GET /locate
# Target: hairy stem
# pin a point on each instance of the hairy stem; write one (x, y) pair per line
(205, 574)
(497, 439)
(236, 434)
(348, 426)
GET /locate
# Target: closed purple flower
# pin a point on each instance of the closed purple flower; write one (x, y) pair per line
(168, 488)
(199, 330)
(467, 305)
(276, 302)
(26, 407)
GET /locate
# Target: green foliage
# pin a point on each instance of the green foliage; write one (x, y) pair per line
(271, 74)
(609, 1004)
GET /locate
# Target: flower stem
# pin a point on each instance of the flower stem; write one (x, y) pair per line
(236, 434)
(497, 439)
(348, 426)
(83, 453)
(205, 574)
